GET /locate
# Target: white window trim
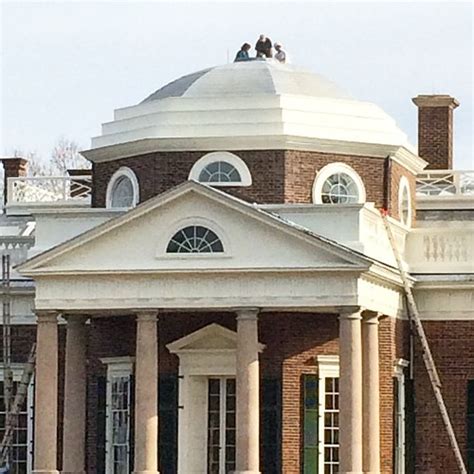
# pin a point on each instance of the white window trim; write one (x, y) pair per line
(116, 367)
(402, 186)
(17, 370)
(328, 367)
(128, 173)
(326, 171)
(231, 158)
(189, 221)
(400, 443)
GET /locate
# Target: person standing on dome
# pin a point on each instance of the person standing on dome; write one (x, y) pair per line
(281, 55)
(264, 47)
(243, 53)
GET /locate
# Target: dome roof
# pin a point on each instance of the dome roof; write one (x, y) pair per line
(250, 77)
(252, 105)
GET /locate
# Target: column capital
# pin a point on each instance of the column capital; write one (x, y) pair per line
(47, 316)
(350, 312)
(249, 314)
(371, 317)
(147, 315)
(75, 319)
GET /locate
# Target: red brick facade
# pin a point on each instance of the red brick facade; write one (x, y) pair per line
(278, 176)
(435, 129)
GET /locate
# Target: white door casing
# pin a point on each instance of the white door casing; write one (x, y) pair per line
(207, 353)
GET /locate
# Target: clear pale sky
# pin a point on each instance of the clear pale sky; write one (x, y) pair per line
(66, 65)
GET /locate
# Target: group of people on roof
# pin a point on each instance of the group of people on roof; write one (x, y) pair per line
(264, 49)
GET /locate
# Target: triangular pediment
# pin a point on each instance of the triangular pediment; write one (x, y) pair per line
(213, 337)
(136, 242)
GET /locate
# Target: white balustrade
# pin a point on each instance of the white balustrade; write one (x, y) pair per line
(450, 250)
(50, 189)
(443, 183)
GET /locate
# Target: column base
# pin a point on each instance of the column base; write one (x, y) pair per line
(73, 472)
(45, 471)
(352, 472)
(146, 472)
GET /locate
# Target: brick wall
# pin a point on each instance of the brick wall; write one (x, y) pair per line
(278, 176)
(452, 346)
(158, 172)
(435, 137)
(435, 129)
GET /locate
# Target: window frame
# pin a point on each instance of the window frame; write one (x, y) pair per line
(17, 370)
(165, 238)
(117, 367)
(225, 156)
(334, 168)
(211, 251)
(404, 186)
(328, 367)
(126, 172)
(399, 439)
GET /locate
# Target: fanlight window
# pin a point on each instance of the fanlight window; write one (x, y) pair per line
(122, 194)
(219, 172)
(195, 239)
(339, 188)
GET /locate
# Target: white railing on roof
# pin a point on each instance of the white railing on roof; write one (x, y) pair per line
(50, 189)
(443, 183)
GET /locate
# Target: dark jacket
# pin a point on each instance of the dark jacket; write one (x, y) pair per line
(241, 55)
(264, 48)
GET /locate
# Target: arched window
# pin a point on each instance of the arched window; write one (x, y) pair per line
(404, 201)
(221, 169)
(195, 239)
(122, 190)
(338, 183)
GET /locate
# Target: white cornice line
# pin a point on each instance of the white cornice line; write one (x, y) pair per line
(261, 142)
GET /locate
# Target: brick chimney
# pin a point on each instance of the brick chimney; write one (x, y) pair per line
(435, 129)
(13, 167)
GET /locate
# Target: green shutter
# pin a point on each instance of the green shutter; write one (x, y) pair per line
(470, 426)
(310, 424)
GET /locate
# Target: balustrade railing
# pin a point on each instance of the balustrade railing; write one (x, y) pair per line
(443, 183)
(17, 247)
(50, 189)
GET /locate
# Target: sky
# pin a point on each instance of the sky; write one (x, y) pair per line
(65, 66)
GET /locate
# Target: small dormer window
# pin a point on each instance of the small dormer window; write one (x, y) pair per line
(122, 190)
(338, 183)
(221, 169)
(195, 239)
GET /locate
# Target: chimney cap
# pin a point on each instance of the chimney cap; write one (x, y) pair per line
(436, 100)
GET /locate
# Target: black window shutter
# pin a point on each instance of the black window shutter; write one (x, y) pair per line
(101, 383)
(470, 426)
(270, 422)
(168, 423)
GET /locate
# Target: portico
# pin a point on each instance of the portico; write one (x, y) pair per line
(92, 277)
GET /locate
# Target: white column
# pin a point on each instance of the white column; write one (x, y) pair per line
(146, 394)
(46, 394)
(248, 440)
(75, 385)
(350, 385)
(371, 389)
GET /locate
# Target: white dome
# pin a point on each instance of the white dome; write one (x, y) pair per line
(258, 104)
(250, 78)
